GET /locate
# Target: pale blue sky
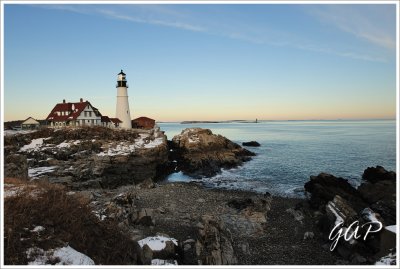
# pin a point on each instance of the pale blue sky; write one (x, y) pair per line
(203, 62)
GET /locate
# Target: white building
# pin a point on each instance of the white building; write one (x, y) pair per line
(78, 114)
(122, 110)
(30, 123)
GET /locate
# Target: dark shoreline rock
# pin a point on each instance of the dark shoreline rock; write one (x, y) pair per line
(336, 201)
(200, 153)
(251, 144)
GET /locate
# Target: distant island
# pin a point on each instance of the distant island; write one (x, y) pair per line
(225, 121)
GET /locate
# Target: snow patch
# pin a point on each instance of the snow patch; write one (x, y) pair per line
(369, 215)
(154, 143)
(35, 172)
(38, 229)
(65, 255)
(11, 192)
(163, 262)
(33, 146)
(99, 215)
(332, 208)
(14, 132)
(156, 243)
(123, 148)
(391, 228)
(389, 259)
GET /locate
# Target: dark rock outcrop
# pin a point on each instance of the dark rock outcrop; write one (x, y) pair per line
(378, 173)
(379, 190)
(200, 153)
(251, 144)
(93, 157)
(16, 166)
(373, 203)
(325, 187)
(248, 216)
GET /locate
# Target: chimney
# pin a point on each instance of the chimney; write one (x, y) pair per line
(64, 101)
(81, 100)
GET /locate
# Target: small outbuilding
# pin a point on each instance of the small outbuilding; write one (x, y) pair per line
(143, 123)
(29, 124)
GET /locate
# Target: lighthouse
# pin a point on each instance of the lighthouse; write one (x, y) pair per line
(123, 112)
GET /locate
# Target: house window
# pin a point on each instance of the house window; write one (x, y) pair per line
(90, 113)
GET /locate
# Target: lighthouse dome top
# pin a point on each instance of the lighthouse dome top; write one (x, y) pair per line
(121, 73)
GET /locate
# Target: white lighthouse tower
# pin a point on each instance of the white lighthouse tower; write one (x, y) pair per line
(123, 112)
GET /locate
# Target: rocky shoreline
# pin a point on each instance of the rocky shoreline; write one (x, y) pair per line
(117, 174)
(269, 235)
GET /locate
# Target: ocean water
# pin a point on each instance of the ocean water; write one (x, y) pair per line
(292, 151)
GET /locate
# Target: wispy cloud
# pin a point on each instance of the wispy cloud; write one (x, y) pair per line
(174, 24)
(372, 23)
(363, 24)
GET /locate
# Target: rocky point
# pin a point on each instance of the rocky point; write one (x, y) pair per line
(200, 153)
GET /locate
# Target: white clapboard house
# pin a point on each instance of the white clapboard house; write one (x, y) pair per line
(82, 113)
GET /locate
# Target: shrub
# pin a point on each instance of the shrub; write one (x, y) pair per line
(66, 219)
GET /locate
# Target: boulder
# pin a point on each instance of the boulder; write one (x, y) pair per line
(378, 173)
(373, 203)
(379, 191)
(145, 217)
(214, 243)
(16, 166)
(324, 187)
(251, 144)
(160, 247)
(339, 210)
(248, 216)
(200, 153)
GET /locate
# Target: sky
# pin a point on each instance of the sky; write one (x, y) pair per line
(203, 62)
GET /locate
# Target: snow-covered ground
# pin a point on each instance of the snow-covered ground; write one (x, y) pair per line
(64, 256)
(33, 146)
(156, 243)
(126, 148)
(66, 144)
(40, 144)
(390, 259)
(163, 262)
(37, 171)
(119, 149)
(14, 132)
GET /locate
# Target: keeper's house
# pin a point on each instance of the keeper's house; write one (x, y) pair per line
(78, 114)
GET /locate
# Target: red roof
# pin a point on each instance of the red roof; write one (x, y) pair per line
(73, 111)
(115, 120)
(143, 118)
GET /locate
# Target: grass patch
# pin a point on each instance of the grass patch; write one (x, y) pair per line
(66, 219)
